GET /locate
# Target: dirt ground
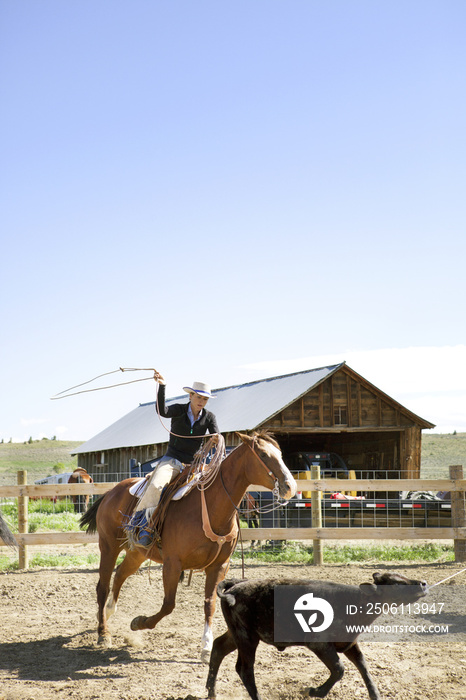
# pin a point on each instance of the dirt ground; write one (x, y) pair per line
(48, 643)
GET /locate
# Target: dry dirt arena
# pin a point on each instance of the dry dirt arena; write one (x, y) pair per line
(48, 643)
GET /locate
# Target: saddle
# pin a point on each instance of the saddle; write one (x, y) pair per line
(179, 487)
(169, 493)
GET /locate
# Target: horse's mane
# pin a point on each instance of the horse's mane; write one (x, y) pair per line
(265, 435)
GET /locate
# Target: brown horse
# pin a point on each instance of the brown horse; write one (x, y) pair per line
(190, 538)
(80, 501)
(6, 535)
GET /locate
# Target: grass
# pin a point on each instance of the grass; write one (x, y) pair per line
(44, 515)
(439, 451)
(290, 552)
(51, 561)
(298, 553)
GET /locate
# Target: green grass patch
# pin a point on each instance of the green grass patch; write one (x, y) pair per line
(52, 561)
(64, 522)
(291, 552)
(298, 553)
(44, 515)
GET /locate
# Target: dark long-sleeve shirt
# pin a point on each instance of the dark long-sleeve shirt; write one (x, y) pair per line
(184, 448)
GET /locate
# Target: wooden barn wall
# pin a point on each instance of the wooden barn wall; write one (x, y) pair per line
(345, 416)
(340, 401)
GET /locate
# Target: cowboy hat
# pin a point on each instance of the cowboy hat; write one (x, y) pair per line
(199, 388)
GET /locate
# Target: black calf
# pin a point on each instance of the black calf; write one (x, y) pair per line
(248, 609)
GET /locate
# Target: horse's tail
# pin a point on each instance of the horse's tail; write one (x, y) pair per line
(6, 535)
(88, 520)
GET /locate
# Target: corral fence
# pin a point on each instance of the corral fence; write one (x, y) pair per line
(316, 517)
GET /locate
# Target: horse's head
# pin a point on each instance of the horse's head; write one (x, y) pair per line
(266, 467)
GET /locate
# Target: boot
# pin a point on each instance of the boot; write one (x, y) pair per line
(144, 534)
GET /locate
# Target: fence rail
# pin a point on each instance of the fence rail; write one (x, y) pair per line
(456, 485)
(97, 488)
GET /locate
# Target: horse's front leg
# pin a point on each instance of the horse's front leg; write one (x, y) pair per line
(130, 564)
(171, 576)
(214, 575)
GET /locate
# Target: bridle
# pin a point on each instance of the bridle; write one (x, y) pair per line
(276, 489)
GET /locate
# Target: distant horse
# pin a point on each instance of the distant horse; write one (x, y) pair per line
(6, 535)
(80, 501)
(199, 533)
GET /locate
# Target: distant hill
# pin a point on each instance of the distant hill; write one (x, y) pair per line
(43, 457)
(39, 458)
(439, 451)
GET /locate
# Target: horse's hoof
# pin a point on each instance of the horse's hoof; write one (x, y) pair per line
(205, 656)
(138, 623)
(104, 640)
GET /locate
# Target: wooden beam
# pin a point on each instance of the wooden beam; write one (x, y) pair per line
(458, 514)
(339, 429)
(349, 417)
(34, 538)
(321, 404)
(354, 533)
(332, 407)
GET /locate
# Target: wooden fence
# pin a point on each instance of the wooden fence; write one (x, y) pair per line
(456, 485)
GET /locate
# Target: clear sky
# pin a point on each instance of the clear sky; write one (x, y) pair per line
(227, 191)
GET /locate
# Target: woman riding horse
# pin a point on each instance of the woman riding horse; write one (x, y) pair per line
(190, 422)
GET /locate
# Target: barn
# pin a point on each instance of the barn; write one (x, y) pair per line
(329, 409)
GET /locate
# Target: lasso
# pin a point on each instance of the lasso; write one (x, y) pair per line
(208, 472)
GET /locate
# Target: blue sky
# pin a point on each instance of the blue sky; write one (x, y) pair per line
(229, 191)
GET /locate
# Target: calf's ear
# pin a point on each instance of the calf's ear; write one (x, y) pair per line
(368, 589)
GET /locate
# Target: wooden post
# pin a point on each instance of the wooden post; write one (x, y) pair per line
(23, 558)
(458, 512)
(316, 499)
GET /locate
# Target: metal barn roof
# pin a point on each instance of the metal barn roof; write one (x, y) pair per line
(240, 407)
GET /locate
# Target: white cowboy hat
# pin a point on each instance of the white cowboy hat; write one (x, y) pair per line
(199, 388)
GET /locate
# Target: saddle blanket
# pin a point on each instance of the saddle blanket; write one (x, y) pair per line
(139, 487)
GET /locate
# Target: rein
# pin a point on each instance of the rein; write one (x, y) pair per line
(220, 540)
(262, 509)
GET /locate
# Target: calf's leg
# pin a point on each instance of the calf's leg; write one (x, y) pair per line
(355, 655)
(222, 646)
(245, 664)
(329, 656)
